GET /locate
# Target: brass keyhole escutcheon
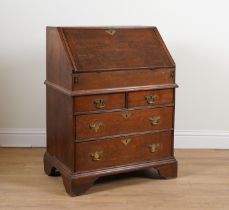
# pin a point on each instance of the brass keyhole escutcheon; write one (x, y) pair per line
(126, 141)
(96, 155)
(151, 99)
(99, 103)
(126, 115)
(154, 147)
(110, 31)
(155, 120)
(95, 126)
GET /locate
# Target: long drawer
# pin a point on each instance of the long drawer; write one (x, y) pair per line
(123, 122)
(93, 155)
(120, 79)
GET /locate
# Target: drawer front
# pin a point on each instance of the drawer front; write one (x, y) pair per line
(150, 98)
(93, 155)
(99, 102)
(123, 122)
(120, 79)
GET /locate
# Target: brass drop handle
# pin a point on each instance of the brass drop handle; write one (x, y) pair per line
(95, 126)
(154, 147)
(99, 103)
(155, 120)
(97, 155)
(151, 99)
(126, 141)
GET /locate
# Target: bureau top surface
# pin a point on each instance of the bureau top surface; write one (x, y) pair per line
(113, 48)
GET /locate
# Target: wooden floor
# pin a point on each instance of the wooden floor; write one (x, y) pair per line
(203, 184)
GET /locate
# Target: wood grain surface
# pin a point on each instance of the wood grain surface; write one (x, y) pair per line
(91, 48)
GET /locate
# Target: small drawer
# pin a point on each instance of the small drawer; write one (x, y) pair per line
(98, 154)
(150, 98)
(99, 102)
(123, 122)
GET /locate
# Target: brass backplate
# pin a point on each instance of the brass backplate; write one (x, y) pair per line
(155, 120)
(96, 155)
(151, 99)
(95, 126)
(154, 147)
(99, 103)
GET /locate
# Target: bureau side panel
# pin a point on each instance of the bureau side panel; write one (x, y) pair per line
(58, 65)
(174, 95)
(60, 132)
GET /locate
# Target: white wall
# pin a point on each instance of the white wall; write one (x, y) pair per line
(196, 33)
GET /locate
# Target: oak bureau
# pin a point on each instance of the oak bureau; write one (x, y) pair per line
(110, 99)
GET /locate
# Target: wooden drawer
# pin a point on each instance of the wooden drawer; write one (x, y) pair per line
(123, 122)
(99, 102)
(93, 155)
(150, 98)
(120, 79)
